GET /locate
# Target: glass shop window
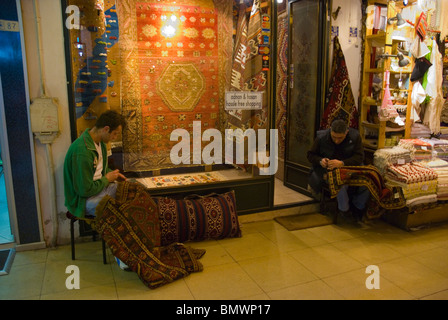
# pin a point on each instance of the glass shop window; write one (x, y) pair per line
(190, 77)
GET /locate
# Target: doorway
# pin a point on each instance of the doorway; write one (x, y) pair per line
(302, 53)
(307, 62)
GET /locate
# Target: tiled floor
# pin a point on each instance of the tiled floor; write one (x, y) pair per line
(268, 262)
(284, 195)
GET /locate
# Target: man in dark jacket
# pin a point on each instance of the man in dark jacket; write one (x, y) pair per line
(334, 148)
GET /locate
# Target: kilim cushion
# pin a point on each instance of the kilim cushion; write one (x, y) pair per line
(203, 218)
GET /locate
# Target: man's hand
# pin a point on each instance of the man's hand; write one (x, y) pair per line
(115, 175)
(333, 164)
(324, 162)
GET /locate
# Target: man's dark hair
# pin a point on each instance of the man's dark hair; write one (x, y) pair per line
(339, 126)
(111, 119)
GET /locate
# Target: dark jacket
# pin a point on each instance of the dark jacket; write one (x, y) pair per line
(350, 150)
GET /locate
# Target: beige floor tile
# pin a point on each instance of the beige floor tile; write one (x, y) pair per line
(438, 236)
(284, 240)
(23, 281)
(91, 274)
(268, 262)
(314, 290)
(352, 286)
(29, 257)
(105, 292)
(84, 251)
(214, 255)
(436, 259)
(260, 226)
(367, 251)
(308, 238)
(250, 246)
(333, 233)
(262, 296)
(442, 295)
(276, 272)
(325, 261)
(228, 281)
(410, 246)
(413, 277)
(136, 290)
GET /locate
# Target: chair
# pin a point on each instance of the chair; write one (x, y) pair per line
(73, 219)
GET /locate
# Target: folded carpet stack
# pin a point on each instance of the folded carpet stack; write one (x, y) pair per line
(419, 130)
(439, 147)
(418, 182)
(383, 158)
(421, 150)
(441, 168)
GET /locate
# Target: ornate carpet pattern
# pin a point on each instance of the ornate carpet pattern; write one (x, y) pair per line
(198, 218)
(370, 177)
(282, 80)
(130, 227)
(247, 74)
(340, 102)
(174, 72)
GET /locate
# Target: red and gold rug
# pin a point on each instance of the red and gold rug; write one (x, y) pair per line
(174, 57)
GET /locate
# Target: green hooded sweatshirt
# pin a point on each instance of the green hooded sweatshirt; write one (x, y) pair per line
(79, 168)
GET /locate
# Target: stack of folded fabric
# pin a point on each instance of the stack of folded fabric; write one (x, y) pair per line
(443, 131)
(383, 158)
(421, 150)
(441, 168)
(418, 182)
(439, 147)
(419, 130)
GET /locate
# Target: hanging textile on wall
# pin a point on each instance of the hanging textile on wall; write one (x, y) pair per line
(174, 70)
(340, 102)
(282, 80)
(247, 73)
(433, 88)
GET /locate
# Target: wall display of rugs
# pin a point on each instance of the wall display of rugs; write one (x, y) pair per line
(175, 72)
(166, 65)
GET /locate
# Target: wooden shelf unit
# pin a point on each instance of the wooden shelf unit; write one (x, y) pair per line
(372, 41)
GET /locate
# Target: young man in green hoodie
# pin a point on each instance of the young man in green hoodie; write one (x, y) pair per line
(87, 177)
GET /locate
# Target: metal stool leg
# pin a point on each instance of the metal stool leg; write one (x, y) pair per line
(104, 251)
(73, 219)
(72, 237)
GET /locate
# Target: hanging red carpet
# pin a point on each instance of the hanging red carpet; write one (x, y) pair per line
(340, 102)
(174, 72)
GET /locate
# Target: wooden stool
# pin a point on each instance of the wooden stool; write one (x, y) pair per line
(73, 219)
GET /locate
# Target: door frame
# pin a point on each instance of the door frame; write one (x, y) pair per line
(7, 173)
(294, 173)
